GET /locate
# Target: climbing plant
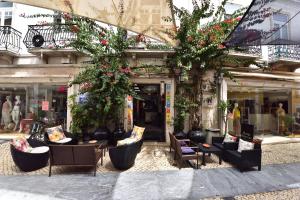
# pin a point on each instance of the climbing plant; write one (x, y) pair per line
(200, 36)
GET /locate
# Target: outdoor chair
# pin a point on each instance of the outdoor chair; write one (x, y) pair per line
(123, 157)
(27, 161)
(75, 155)
(184, 153)
(183, 142)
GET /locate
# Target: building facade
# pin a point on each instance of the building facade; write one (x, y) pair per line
(34, 79)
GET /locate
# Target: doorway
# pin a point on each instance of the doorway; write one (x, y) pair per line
(149, 111)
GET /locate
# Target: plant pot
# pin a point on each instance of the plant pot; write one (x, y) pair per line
(118, 134)
(180, 135)
(197, 136)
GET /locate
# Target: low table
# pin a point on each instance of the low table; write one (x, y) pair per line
(209, 150)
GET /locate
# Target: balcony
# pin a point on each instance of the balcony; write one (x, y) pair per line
(247, 52)
(49, 39)
(10, 40)
(284, 53)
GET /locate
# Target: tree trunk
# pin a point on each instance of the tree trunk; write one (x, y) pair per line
(197, 99)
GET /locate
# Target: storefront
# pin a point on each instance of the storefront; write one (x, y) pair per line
(29, 93)
(271, 106)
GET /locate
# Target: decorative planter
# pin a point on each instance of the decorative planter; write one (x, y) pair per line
(180, 135)
(101, 134)
(197, 136)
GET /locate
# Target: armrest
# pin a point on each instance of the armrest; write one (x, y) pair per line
(217, 140)
(188, 141)
(252, 155)
(231, 145)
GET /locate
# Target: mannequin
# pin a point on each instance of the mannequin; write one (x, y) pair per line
(16, 112)
(281, 114)
(6, 112)
(236, 120)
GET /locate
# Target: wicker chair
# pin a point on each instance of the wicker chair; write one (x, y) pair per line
(29, 161)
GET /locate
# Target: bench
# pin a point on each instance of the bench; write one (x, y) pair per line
(75, 155)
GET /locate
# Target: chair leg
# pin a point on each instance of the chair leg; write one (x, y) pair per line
(259, 167)
(170, 148)
(95, 168)
(50, 170)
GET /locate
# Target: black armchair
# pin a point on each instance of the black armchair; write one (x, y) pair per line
(26, 161)
(123, 157)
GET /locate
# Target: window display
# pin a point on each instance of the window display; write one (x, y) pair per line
(22, 104)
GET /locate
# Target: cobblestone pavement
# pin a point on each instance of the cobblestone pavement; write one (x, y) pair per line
(293, 194)
(156, 156)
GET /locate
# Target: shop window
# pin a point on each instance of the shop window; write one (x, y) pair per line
(19, 103)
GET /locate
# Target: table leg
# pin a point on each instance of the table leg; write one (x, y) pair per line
(203, 159)
(220, 159)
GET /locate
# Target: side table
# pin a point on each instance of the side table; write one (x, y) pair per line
(209, 150)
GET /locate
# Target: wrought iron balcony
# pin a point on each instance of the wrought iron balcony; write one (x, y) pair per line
(10, 39)
(48, 36)
(284, 52)
(247, 51)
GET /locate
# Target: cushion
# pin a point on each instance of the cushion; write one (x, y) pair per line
(62, 141)
(229, 138)
(42, 149)
(244, 145)
(137, 132)
(55, 133)
(21, 144)
(187, 150)
(126, 141)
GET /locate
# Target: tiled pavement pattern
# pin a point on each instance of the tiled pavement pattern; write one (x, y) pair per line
(155, 157)
(155, 185)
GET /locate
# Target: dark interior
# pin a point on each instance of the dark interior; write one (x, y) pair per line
(149, 111)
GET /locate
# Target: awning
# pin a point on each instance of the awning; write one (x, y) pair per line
(140, 16)
(268, 22)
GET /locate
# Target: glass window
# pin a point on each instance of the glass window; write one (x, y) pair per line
(21, 104)
(280, 24)
(6, 4)
(7, 18)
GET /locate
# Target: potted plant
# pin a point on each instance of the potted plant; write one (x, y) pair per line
(224, 107)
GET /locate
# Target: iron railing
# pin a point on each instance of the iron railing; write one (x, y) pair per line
(249, 50)
(284, 52)
(48, 36)
(10, 39)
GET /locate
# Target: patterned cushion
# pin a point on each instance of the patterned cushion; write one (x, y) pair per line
(41, 149)
(244, 145)
(229, 138)
(137, 132)
(183, 143)
(55, 133)
(21, 144)
(187, 150)
(126, 141)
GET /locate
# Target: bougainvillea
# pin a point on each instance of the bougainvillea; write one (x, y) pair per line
(200, 36)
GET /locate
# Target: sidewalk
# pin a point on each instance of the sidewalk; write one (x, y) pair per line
(181, 184)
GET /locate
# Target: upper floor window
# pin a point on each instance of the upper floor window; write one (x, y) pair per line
(57, 17)
(5, 13)
(280, 22)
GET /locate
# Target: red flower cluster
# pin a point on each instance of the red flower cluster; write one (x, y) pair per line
(109, 74)
(85, 86)
(140, 38)
(67, 16)
(75, 29)
(103, 67)
(221, 46)
(104, 42)
(125, 70)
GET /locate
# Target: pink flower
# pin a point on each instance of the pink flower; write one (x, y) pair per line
(221, 46)
(104, 42)
(67, 16)
(109, 74)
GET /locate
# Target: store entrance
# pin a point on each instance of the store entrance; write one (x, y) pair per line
(149, 111)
